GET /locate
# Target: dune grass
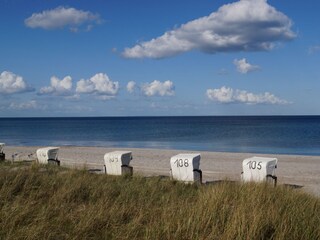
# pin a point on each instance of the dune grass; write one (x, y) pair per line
(56, 203)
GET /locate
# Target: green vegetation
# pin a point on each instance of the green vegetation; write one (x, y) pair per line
(56, 203)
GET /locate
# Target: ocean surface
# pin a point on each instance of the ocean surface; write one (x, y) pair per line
(254, 134)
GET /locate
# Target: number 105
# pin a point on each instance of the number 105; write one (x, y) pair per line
(254, 165)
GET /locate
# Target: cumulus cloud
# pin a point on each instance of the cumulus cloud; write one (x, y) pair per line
(246, 25)
(229, 95)
(11, 83)
(58, 87)
(158, 88)
(131, 86)
(244, 67)
(99, 84)
(61, 17)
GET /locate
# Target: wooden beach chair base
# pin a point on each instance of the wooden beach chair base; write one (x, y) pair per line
(2, 156)
(54, 162)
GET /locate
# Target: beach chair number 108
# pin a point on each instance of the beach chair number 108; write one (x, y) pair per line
(254, 165)
(182, 163)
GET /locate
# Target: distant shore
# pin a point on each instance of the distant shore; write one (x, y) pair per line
(292, 169)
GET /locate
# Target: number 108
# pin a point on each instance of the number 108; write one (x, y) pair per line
(181, 163)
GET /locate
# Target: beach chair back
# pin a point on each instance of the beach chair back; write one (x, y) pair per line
(259, 169)
(48, 155)
(185, 167)
(118, 163)
(2, 155)
(2, 146)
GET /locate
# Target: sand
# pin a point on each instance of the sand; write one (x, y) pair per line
(303, 171)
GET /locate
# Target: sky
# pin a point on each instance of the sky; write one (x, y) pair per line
(159, 58)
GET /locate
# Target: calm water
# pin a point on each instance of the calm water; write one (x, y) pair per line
(281, 135)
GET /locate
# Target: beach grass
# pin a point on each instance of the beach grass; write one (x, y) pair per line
(46, 202)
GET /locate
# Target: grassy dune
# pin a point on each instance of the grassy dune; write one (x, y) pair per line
(56, 203)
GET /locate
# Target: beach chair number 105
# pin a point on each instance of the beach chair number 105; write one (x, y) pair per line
(254, 165)
(182, 162)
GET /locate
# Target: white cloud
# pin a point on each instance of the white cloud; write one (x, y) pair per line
(11, 83)
(32, 104)
(314, 49)
(131, 86)
(158, 88)
(246, 25)
(244, 67)
(99, 84)
(229, 95)
(58, 87)
(61, 17)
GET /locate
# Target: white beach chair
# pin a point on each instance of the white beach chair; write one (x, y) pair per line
(117, 163)
(259, 169)
(2, 155)
(48, 155)
(185, 167)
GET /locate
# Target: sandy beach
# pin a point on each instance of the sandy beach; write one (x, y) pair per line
(297, 170)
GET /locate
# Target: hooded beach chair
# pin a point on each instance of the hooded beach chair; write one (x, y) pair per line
(118, 163)
(259, 169)
(185, 167)
(48, 155)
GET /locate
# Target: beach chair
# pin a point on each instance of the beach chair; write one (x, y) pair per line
(117, 163)
(185, 167)
(48, 155)
(259, 169)
(2, 155)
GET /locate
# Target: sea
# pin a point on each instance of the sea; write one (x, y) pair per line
(253, 134)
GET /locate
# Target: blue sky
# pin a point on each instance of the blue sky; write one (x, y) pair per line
(138, 58)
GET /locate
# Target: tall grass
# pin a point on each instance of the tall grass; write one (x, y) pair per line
(52, 203)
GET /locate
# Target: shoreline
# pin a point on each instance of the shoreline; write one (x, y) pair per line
(300, 170)
(116, 145)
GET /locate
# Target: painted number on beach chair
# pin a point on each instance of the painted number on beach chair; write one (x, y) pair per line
(182, 163)
(113, 159)
(254, 165)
